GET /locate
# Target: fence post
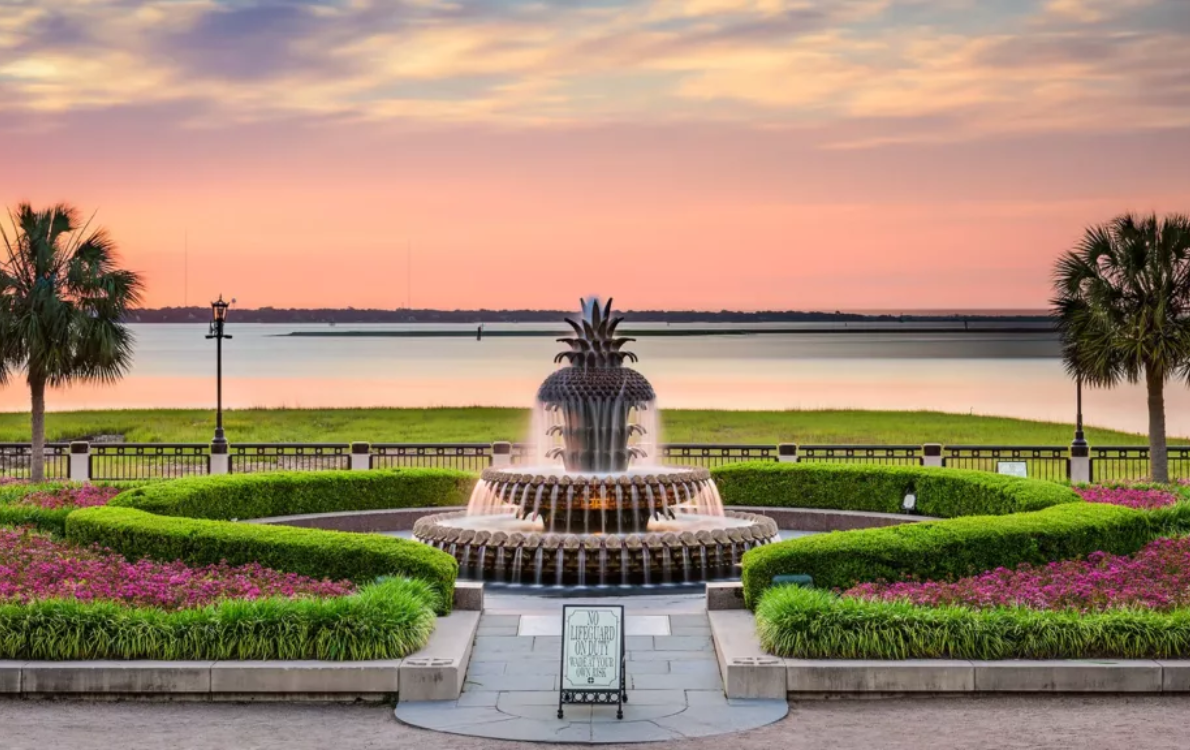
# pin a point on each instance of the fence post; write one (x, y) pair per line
(931, 455)
(220, 458)
(1080, 463)
(80, 461)
(502, 454)
(787, 453)
(361, 456)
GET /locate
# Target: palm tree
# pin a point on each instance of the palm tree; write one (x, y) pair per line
(62, 302)
(1122, 306)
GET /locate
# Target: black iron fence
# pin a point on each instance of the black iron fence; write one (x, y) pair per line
(1041, 462)
(248, 458)
(17, 458)
(116, 461)
(893, 455)
(127, 461)
(464, 456)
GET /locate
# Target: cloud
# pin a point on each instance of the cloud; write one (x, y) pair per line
(1046, 65)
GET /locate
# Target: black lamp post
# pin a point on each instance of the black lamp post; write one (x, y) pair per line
(218, 317)
(1080, 440)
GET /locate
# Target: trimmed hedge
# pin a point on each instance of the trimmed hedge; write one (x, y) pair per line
(815, 624)
(313, 552)
(285, 493)
(943, 550)
(386, 620)
(945, 493)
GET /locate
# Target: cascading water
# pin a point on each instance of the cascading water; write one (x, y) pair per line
(592, 499)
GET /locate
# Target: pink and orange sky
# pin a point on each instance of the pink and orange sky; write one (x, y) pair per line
(751, 154)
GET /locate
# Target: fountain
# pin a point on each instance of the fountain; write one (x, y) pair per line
(594, 506)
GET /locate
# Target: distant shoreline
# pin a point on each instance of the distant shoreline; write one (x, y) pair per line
(983, 329)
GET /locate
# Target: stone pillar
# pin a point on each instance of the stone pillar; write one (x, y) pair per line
(787, 453)
(361, 456)
(220, 458)
(1080, 463)
(502, 454)
(80, 461)
(931, 455)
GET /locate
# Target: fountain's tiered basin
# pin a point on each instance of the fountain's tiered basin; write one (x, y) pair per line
(507, 547)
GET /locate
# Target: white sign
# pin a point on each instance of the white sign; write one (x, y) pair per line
(1013, 468)
(592, 647)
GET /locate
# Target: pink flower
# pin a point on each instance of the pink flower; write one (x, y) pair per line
(1130, 497)
(1157, 577)
(34, 566)
(70, 496)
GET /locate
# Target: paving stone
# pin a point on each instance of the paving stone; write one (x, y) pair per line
(503, 644)
(649, 667)
(486, 668)
(552, 643)
(529, 730)
(702, 667)
(696, 698)
(656, 697)
(533, 667)
(683, 643)
(638, 642)
(703, 630)
(478, 699)
(480, 655)
(636, 731)
(499, 631)
(528, 698)
(1075, 676)
(504, 682)
(675, 681)
(708, 721)
(500, 621)
(688, 621)
(670, 655)
(446, 715)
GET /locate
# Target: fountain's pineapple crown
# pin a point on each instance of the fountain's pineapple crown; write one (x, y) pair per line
(595, 343)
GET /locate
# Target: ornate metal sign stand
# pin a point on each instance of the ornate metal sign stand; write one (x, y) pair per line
(593, 656)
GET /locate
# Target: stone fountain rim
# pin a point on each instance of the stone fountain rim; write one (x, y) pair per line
(666, 475)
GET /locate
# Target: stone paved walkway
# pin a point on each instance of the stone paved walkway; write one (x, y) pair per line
(674, 687)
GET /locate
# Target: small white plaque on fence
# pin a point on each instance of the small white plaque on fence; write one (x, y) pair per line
(1013, 468)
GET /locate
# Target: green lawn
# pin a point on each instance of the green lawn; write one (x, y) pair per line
(483, 425)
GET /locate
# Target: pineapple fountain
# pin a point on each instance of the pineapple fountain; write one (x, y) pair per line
(594, 506)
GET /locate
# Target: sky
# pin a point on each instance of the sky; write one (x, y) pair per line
(685, 154)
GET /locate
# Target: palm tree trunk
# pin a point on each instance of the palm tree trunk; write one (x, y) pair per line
(37, 460)
(1158, 455)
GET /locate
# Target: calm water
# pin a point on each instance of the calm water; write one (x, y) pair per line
(1017, 375)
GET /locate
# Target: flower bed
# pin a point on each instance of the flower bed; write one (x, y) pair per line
(70, 496)
(1138, 498)
(35, 567)
(1157, 577)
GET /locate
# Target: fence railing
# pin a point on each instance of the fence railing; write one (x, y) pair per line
(248, 458)
(16, 458)
(1042, 462)
(129, 461)
(116, 461)
(894, 455)
(464, 456)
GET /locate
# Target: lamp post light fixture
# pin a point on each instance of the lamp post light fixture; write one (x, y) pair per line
(1080, 439)
(218, 318)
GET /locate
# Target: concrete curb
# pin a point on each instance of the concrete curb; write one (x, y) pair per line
(434, 673)
(748, 672)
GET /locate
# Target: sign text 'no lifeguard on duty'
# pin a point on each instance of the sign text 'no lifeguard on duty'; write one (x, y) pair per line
(593, 656)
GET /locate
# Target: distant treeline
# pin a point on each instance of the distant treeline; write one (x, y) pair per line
(352, 315)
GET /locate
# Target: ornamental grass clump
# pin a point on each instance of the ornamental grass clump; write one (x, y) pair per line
(1137, 498)
(35, 567)
(1155, 578)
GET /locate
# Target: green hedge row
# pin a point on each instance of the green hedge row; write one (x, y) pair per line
(383, 621)
(242, 496)
(816, 624)
(943, 550)
(945, 493)
(313, 552)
